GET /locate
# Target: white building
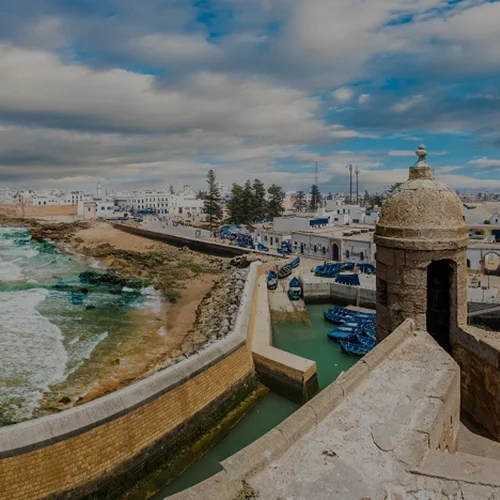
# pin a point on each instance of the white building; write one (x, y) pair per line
(339, 244)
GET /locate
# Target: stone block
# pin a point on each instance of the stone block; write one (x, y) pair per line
(385, 256)
(256, 456)
(412, 448)
(298, 424)
(326, 401)
(353, 377)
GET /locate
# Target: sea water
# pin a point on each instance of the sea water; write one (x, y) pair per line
(45, 338)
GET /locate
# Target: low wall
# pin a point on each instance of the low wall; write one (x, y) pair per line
(289, 375)
(98, 448)
(342, 294)
(33, 211)
(199, 245)
(477, 352)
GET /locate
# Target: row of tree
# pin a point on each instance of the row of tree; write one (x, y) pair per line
(248, 203)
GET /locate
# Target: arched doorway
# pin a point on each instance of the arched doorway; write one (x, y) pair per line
(440, 301)
(336, 252)
(468, 263)
(302, 248)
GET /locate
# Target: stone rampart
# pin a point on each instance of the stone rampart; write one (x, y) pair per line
(96, 449)
(477, 352)
(198, 245)
(290, 375)
(33, 211)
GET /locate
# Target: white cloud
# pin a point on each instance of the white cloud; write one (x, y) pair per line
(363, 99)
(408, 103)
(412, 153)
(343, 94)
(485, 162)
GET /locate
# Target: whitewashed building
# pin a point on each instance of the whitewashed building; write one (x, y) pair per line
(339, 244)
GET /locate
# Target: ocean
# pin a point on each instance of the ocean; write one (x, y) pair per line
(55, 331)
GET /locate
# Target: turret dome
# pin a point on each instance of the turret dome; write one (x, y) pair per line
(422, 213)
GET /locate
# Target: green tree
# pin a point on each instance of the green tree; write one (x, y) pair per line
(235, 205)
(366, 198)
(315, 202)
(299, 201)
(259, 208)
(212, 205)
(275, 206)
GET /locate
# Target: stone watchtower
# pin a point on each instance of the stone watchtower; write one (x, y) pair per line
(421, 257)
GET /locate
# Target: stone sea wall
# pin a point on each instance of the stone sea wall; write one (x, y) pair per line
(197, 245)
(32, 210)
(99, 448)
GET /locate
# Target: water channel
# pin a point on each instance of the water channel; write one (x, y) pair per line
(309, 341)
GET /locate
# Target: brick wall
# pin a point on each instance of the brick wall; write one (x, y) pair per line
(82, 463)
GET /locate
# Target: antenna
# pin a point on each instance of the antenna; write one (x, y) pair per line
(350, 183)
(316, 174)
(357, 184)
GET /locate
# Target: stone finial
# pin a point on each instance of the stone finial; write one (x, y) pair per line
(421, 152)
(421, 169)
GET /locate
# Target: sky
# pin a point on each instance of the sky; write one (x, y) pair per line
(157, 92)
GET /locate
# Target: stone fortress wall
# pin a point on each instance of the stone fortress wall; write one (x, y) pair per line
(34, 211)
(102, 445)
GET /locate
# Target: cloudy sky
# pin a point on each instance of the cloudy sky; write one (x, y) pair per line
(156, 92)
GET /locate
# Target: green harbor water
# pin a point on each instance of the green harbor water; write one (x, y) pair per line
(306, 340)
(311, 342)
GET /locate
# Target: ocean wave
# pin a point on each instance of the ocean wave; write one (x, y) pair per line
(33, 354)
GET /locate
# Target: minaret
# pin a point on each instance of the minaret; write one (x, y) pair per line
(99, 190)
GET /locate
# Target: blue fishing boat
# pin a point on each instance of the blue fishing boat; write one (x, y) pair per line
(295, 262)
(348, 279)
(339, 335)
(353, 349)
(366, 341)
(272, 280)
(353, 330)
(262, 248)
(284, 272)
(295, 289)
(348, 266)
(370, 332)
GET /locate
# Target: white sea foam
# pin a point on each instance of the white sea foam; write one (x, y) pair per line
(10, 271)
(151, 300)
(83, 351)
(33, 355)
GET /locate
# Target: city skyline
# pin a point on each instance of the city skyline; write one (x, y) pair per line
(145, 94)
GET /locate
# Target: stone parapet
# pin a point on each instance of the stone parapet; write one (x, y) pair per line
(478, 354)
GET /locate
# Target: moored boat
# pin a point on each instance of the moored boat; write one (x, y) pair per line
(353, 349)
(295, 262)
(366, 341)
(339, 335)
(295, 289)
(284, 272)
(272, 280)
(262, 248)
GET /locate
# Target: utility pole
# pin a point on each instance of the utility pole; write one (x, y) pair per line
(357, 184)
(350, 184)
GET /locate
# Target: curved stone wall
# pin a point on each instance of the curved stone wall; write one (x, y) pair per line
(87, 449)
